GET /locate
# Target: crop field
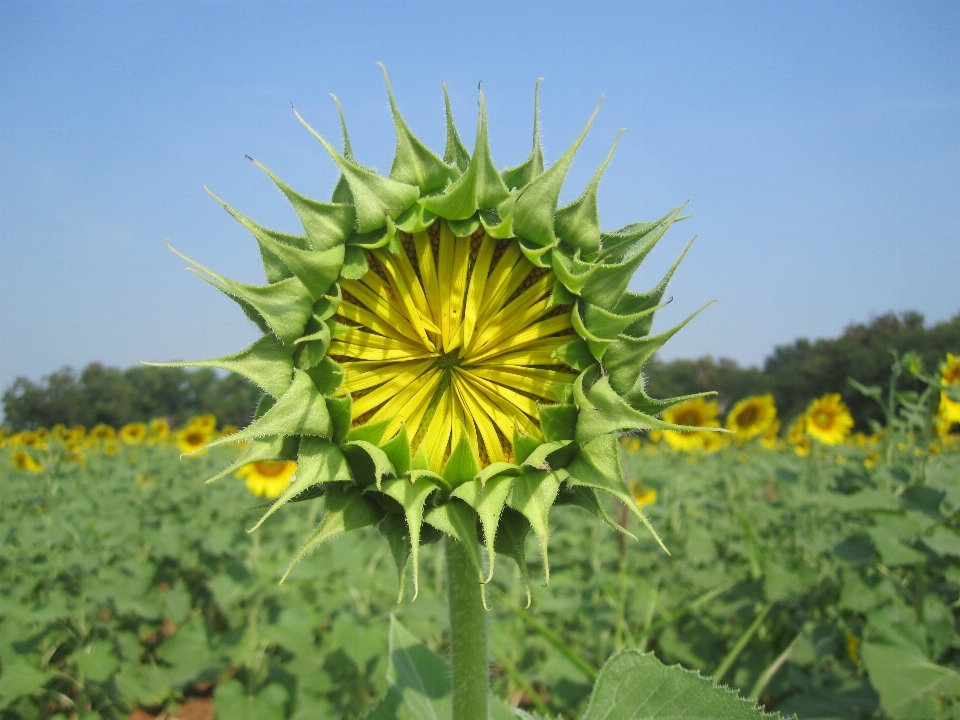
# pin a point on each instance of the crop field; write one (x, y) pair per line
(824, 584)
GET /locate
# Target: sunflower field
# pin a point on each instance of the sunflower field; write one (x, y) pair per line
(815, 571)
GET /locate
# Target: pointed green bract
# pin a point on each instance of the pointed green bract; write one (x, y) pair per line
(480, 186)
(578, 224)
(368, 478)
(267, 362)
(414, 163)
(537, 203)
(454, 152)
(374, 197)
(527, 171)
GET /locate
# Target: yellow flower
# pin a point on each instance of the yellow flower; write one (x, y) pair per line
(77, 433)
(36, 439)
(77, 458)
(643, 496)
(770, 437)
(111, 446)
(871, 459)
(23, 460)
(60, 431)
(655, 435)
(950, 375)
(695, 413)
(102, 432)
(713, 441)
(133, 433)
(752, 416)
(797, 437)
(191, 439)
(449, 332)
(204, 423)
(228, 430)
(268, 477)
(159, 430)
(828, 419)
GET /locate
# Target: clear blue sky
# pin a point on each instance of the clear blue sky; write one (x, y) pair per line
(817, 142)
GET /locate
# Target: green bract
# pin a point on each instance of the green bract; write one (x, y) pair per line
(493, 436)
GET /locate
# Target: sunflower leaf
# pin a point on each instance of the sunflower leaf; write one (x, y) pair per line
(454, 153)
(462, 466)
(369, 432)
(339, 409)
(398, 451)
(394, 529)
(586, 498)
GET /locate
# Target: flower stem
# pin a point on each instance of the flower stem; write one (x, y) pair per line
(468, 636)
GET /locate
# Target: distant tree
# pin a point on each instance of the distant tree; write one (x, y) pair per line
(102, 394)
(805, 369)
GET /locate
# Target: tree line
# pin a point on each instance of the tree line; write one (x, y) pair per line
(794, 374)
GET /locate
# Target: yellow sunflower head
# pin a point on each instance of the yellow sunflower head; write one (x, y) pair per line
(22, 460)
(770, 437)
(752, 416)
(950, 375)
(60, 431)
(447, 348)
(268, 478)
(193, 440)
(133, 433)
(159, 430)
(828, 419)
(37, 440)
(203, 423)
(695, 413)
(643, 495)
(102, 432)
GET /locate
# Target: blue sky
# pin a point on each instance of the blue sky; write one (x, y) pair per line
(818, 144)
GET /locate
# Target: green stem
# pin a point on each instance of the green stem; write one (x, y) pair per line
(468, 636)
(741, 644)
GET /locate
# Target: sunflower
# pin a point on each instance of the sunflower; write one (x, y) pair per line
(643, 495)
(159, 430)
(752, 416)
(60, 431)
(268, 478)
(828, 419)
(133, 433)
(696, 413)
(950, 375)
(797, 436)
(37, 440)
(204, 423)
(102, 432)
(446, 346)
(769, 438)
(192, 439)
(23, 460)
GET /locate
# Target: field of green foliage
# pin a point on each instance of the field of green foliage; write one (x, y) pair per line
(824, 585)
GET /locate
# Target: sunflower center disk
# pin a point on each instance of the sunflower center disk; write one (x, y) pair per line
(450, 333)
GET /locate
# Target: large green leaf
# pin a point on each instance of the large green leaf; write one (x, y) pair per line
(910, 685)
(637, 686)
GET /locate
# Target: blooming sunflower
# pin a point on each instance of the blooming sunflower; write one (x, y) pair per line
(446, 348)
(797, 436)
(950, 375)
(752, 416)
(192, 439)
(159, 430)
(204, 423)
(695, 413)
(23, 460)
(770, 436)
(828, 419)
(268, 478)
(103, 432)
(133, 433)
